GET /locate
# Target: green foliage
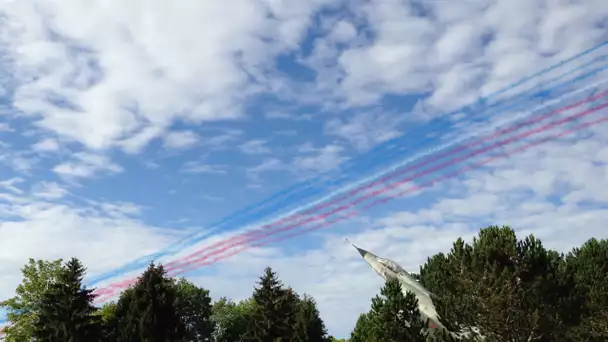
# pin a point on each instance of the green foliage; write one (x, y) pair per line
(23, 309)
(147, 312)
(364, 328)
(498, 287)
(66, 310)
(193, 305)
(309, 325)
(514, 289)
(231, 320)
(394, 317)
(587, 269)
(275, 310)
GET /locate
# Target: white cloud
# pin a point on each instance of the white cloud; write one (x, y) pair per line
(4, 127)
(179, 140)
(141, 66)
(133, 69)
(365, 130)
(49, 191)
(198, 167)
(255, 147)
(46, 145)
(323, 159)
(86, 165)
(454, 52)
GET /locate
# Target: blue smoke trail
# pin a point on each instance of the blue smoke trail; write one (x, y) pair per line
(321, 185)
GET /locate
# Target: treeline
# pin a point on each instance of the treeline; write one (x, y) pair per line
(497, 288)
(52, 305)
(500, 288)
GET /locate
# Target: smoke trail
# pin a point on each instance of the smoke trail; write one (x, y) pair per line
(410, 178)
(297, 214)
(197, 236)
(384, 179)
(416, 188)
(502, 143)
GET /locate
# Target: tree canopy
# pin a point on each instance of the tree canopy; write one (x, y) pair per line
(495, 288)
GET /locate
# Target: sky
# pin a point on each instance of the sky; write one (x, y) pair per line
(127, 126)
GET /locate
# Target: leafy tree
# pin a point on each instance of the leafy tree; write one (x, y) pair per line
(66, 310)
(23, 309)
(275, 310)
(147, 312)
(109, 321)
(231, 320)
(309, 325)
(194, 308)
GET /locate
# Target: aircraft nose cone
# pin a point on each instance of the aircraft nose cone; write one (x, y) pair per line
(361, 251)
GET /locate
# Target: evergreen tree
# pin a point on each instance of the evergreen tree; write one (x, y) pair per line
(147, 312)
(309, 325)
(502, 288)
(274, 313)
(67, 311)
(586, 308)
(364, 330)
(395, 317)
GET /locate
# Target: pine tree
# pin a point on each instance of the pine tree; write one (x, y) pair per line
(395, 316)
(147, 312)
(274, 312)
(309, 325)
(67, 311)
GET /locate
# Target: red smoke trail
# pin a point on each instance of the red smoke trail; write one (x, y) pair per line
(201, 259)
(235, 251)
(247, 236)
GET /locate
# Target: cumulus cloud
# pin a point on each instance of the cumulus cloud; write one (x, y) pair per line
(85, 165)
(137, 71)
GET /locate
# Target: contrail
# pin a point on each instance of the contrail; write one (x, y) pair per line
(502, 143)
(197, 236)
(384, 179)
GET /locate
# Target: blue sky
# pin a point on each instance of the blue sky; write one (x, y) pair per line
(124, 131)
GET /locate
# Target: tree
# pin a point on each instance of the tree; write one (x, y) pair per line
(501, 287)
(147, 311)
(393, 317)
(66, 310)
(274, 313)
(231, 320)
(109, 322)
(194, 308)
(363, 331)
(586, 310)
(23, 309)
(309, 325)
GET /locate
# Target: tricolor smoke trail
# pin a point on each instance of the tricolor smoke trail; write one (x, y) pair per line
(203, 260)
(253, 234)
(372, 160)
(191, 259)
(416, 188)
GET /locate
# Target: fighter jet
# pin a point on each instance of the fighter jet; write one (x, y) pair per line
(389, 269)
